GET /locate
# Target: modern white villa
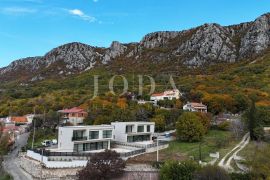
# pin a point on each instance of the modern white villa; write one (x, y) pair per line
(85, 138)
(133, 131)
(166, 95)
(195, 107)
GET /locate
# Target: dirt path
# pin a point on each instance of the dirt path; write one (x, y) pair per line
(225, 162)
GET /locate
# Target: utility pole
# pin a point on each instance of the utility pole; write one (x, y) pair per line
(157, 150)
(34, 131)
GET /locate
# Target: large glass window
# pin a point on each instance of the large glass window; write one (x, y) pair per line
(138, 138)
(107, 134)
(78, 135)
(140, 129)
(78, 147)
(129, 129)
(94, 135)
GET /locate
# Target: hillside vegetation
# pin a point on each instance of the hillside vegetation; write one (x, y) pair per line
(223, 87)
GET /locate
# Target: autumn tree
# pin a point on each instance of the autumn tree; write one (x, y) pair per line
(102, 166)
(189, 127)
(205, 119)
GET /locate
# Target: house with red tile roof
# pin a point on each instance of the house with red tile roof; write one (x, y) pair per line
(75, 115)
(166, 95)
(195, 107)
(19, 119)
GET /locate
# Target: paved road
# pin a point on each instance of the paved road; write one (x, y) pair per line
(11, 164)
(230, 155)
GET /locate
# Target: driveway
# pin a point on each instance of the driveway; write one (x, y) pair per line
(11, 161)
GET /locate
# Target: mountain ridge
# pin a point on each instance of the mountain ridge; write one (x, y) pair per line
(203, 45)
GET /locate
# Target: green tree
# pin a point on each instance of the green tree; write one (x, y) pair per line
(189, 127)
(254, 124)
(174, 170)
(241, 103)
(159, 123)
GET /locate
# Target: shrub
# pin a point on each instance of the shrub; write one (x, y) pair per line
(212, 172)
(178, 170)
(224, 126)
(104, 165)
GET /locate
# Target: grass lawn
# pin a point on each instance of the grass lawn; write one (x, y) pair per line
(214, 141)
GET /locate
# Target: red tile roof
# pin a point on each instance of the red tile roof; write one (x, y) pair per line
(158, 94)
(72, 110)
(19, 119)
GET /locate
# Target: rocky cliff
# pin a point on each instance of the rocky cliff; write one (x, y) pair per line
(197, 47)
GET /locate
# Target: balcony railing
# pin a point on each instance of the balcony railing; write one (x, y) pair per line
(84, 138)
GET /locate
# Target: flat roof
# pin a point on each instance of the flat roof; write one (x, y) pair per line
(138, 122)
(88, 127)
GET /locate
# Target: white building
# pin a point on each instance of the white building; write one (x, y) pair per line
(85, 138)
(195, 107)
(166, 95)
(133, 131)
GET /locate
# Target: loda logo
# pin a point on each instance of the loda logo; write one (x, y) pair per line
(125, 84)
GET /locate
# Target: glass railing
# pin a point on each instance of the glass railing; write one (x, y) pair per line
(84, 138)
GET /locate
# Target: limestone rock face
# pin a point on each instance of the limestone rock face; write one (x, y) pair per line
(157, 39)
(257, 38)
(115, 50)
(210, 43)
(74, 55)
(197, 47)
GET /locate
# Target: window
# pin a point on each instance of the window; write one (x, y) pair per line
(86, 147)
(94, 134)
(107, 134)
(139, 138)
(105, 145)
(140, 129)
(79, 135)
(148, 128)
(78, 147)
(128, 128)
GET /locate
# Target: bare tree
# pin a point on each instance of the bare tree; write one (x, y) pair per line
(237, 127)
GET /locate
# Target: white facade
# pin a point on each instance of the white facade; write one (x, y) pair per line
(133, 131)
(166, 95)
(195, 107)
(85, 138)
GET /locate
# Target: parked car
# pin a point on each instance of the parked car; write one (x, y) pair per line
(46, 143)
(54, 142)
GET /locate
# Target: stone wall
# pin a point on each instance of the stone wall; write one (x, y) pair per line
(36, 170)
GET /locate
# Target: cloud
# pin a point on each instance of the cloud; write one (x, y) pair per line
(17, 10)
(82, 15)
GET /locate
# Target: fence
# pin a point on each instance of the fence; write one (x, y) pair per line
(76, 154)
(146, 146)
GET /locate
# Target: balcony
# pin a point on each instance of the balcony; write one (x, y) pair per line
(84, 138)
